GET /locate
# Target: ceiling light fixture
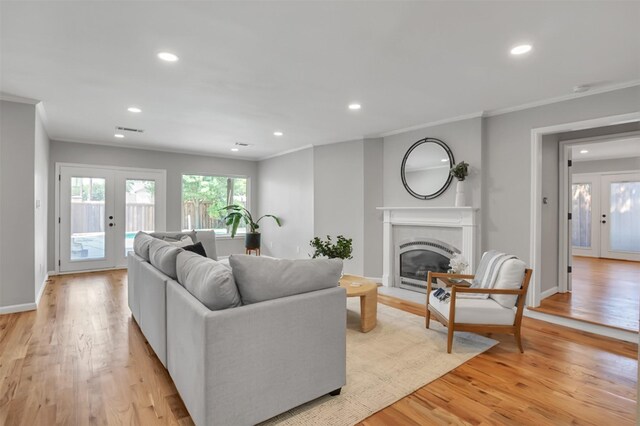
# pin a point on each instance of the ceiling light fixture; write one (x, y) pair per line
(134, 109)
(166, 56)
(584, 151)
(278, 133)
(118, 135)
(235, 149)
(355, 106)
(521, 49)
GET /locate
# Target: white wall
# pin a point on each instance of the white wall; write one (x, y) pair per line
(373, 151)
(175, 165)
(464, 138)
(41, 182)
(550, 212)
(285, 189)
(17, 151)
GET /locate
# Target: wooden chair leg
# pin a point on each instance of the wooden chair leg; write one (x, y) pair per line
(450, 338)
(427, 318)
(519, 340)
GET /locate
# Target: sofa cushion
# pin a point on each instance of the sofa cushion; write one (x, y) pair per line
(163, 256)
(208, 240)
(197, 248)
(510, 277)
(208, 281)
(260, 278)
(141, 244)
(184, 241)
(475, 311)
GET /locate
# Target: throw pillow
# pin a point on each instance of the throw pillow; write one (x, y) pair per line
(141, 244)
(184, 241)
(510, 277)
(208, 281)
(163, 256)
(261, 278)
(196, 248)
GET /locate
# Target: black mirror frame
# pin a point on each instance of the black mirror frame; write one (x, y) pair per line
(404, 163)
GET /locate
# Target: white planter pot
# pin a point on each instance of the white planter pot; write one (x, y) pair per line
(460, 198)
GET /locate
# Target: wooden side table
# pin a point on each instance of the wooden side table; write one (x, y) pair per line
(367, 291)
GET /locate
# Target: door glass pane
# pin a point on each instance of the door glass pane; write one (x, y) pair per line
(140, 209)
(581, 215)
(87, 218)
(624, 217)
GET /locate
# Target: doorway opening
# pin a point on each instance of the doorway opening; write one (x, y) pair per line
(599, 215)
(100, 209)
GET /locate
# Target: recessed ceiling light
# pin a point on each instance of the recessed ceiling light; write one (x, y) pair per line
(445, 160)
(584, 151)
(118, 135)
(166, 56)
(235, 149)
(278, 133)
(355, 106)
(134, 109)
(521, 49)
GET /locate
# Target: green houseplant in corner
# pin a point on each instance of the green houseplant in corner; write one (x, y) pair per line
(342, 248)
(237, 214)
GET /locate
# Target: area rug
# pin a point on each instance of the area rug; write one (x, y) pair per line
(384, 365)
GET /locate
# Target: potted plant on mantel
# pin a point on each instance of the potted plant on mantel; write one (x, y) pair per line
(237, 214)
(460, 171)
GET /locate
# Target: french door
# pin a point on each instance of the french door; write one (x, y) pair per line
(606, 215)
(99, 211)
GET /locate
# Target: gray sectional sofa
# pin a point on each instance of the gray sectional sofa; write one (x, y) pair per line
(243, 341)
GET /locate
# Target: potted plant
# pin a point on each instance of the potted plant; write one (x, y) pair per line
(340, 250)
(237, 214)
(460, 171)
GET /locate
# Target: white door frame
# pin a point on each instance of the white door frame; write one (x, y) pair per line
(535, 225)
(161, 199)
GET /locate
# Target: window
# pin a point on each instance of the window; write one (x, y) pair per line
(203, 198)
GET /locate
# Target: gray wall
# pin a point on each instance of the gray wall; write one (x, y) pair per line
(285, 189)
(41, 182)
(507, 162)
(373, 155)
(464, 138)
(17, 218)
(611, 165)
(338, 196)
(550, 212)
(175, 165)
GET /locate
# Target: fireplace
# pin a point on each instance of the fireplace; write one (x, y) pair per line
(416, 257)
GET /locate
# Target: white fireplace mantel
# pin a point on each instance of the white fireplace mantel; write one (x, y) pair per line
(465, 218)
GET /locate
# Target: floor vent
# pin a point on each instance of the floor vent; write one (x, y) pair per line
(129, 129)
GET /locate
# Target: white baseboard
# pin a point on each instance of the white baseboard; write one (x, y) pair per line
(42, 287)
(550, 292)
(601, 330)
(377, 280)
(17, 308)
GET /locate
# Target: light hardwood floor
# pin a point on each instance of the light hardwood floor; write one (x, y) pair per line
(81, 360)
(605, 291)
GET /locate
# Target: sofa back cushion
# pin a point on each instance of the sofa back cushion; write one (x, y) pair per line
(141, 244)
(510, 277)
(175, 236)
(163, 256)
(262, 278)
(208, 281)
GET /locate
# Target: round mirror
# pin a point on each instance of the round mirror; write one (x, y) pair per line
(425, 168)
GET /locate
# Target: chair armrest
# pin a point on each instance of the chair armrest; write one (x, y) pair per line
(456, 289)
(446, 275)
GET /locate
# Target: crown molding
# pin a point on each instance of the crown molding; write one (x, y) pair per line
(478, 114)
(289, 151)
(19, 99)
(591, 92)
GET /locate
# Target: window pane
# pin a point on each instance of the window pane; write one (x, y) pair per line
(140, 209)
(625, 217)
(581, 215)
(203, 198)
(87, 218)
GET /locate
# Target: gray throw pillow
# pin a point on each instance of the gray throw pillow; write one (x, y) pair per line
(208, 281)
(261, 278)
(163, 256)
(141, 244)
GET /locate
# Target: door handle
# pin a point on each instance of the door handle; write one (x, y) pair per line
(111, 224)
(604, 221)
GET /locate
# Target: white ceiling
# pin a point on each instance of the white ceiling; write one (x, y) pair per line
(618, 148)
(248, 69)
